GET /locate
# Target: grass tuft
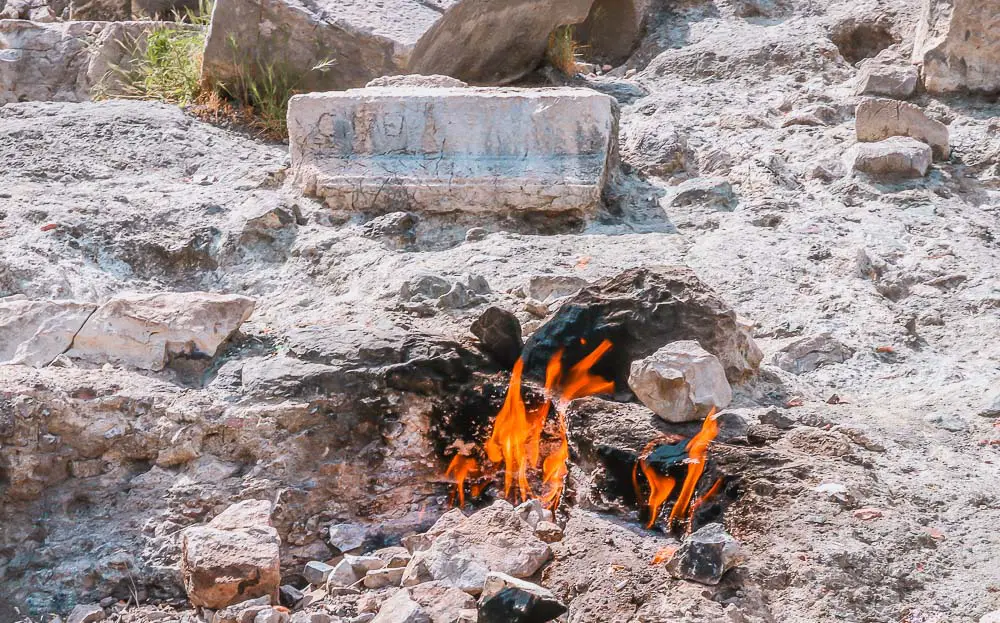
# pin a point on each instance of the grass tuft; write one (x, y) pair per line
(562, 51)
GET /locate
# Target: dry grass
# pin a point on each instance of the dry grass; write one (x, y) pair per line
(563, 50)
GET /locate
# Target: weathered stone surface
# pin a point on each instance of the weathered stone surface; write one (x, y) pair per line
(809, 353)
(233, 558)
(510, 600)
(893, 80)
(958, 45)
(472, 149)
(493, 539)
(66, 61)
(401, 608)
(613, 28)
(100, 10)
(640, 311)
(417, 80)
(86, 613)
(499, 332)
(146, 330)
(441, 602)
(34, 333)
(343, 574)
(421, 541)
(357, 41)
(380, 578)
(657, 149)
(894, 157)
(877, 119)
(681, 382)
(347, 537)
(316, 572)
(706, 555)
(711, 192)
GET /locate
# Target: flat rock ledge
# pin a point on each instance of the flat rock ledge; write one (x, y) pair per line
(386, 149)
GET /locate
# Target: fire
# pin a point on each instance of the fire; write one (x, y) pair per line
(662, 485)
(516, 438)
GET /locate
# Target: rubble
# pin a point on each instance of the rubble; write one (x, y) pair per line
(681, 382)
(564, 139)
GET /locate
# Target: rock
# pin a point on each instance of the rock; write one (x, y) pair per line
(400, 608)
(312, 617)
(957, 43)
(711, 192)
(272, 615)
(417, 80)
(990, 617)
(380, 578)
(343, 574)
(532, 511)
(458, 143)
(493, 539)
(316, 572)
(814, 115)
(894, 157)
(992, 406)
(356, 42)
(147, 330)
(499, 333)
(947, 421)
(397, 227)
(706, 555)
(613, 28)
(66, 61)
(550, 288)
(34, 333)
(441, 602)
(886, 79)
(417, 542)
(681, 382)
(425, 292)
(640, 311)
(364, 564)
(100, 10)
(548, 532)
(510, 600)
(86, 613)
(877, 119)
(289, 596)
(347, 536)
(809, 353)
(657, 149)
(233, 558)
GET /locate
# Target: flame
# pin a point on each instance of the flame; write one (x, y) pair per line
(517, 430)
(662, 555)
(702, 499)
(661, 486)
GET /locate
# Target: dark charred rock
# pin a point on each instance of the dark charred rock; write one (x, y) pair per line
(289, 596)
(640, 311)
(499, 332)
(706, 555)
(516, 604)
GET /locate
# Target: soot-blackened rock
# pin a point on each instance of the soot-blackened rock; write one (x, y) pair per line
(640, 311)
(499, 332)
(706, 555)
(517, 605)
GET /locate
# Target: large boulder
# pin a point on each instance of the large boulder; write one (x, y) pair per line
(233, 558)
(958, 44)
(877, 119)
(147, 330)
(681, 382)
(640, 311)
(67, 61)
(34, 333)
(454, 149)
(482, 42)
(896, 157)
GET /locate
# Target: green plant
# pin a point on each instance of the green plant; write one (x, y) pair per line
(562, 50)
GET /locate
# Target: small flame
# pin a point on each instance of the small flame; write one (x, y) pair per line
(661, 486)
(662, 555)
(517, 430)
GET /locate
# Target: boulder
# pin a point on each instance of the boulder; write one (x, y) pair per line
(66, 61)
(147, 330)
(347, 536)
(681, 382)
(877, 119)
(886, 79)
(316, 572)
(356, 41)
(715, 193)
(443, 603)
(493, 539)
(809, 353)
(401, 608)
(233, 558)
(957, 43)
(100, 10)
(640, 311)
(510, 600)
(380, 578)
(613, 28)
(347, 148)
(896, 157)
(34, 333)
(706, 555)
(86, 613)
(499, 333)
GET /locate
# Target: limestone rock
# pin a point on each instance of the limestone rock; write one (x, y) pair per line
(86, 613)
(316, 572)
(896, 81)
(357, 41)
(706, 555)
(416, 80)
(343, 574)
(877, 119)
(510, 600)
(640, 311)
(458, 145)
(550, 288)
(711, 192)
(613, 28)
(809, 353)
(100, 10)
(441, 602)
(232, 558)
(958, 45)
(347, 536)
(34, 333)
(147, 330)
(657, 149)
(681, 382)
(401, 608)
(380, 578)
(896, 157)
(493, 539)
(421, 541)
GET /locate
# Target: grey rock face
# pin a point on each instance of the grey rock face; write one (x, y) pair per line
(810, 353)
(36, 332)
(878, 119)
(897, 81)
(706, 555)
(896, 157)
(681, 382)
(458, 145)
(958, 44)
(499, 332)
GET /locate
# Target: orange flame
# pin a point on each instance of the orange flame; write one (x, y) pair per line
(458, 471)
(661, 486)
(517, 430)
